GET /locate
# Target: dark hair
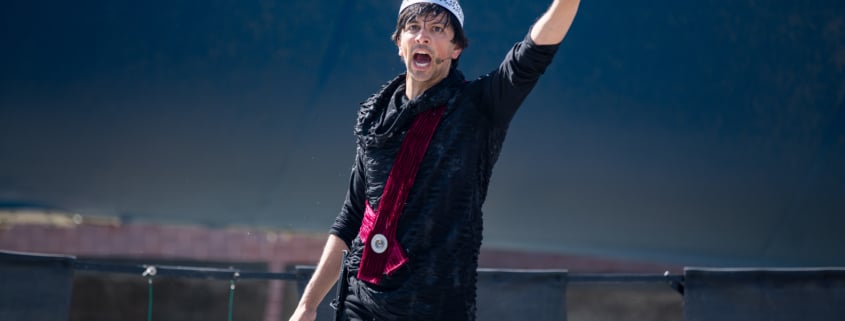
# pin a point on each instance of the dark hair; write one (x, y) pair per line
(425, 9)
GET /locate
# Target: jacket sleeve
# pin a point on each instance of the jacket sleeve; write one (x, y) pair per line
(348, 222)
(505, 88)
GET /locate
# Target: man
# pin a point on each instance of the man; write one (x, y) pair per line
(426, 145)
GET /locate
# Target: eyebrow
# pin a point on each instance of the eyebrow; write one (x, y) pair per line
(444, 20)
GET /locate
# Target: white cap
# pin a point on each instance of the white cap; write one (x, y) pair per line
(452, 5)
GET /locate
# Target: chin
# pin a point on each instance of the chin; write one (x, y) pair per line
(421, 76)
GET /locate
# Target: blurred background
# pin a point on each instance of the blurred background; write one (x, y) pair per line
(667, 134)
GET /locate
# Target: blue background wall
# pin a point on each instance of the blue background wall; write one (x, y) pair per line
(698, 132)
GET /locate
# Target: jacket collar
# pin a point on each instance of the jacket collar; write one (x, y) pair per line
(368, 129)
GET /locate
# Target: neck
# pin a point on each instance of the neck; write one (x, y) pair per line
(414, 88)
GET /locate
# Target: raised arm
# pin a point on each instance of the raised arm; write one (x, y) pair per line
(553, 25)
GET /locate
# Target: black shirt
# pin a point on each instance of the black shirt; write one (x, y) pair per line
(440, 227)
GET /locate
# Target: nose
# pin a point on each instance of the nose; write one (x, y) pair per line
(422, 37)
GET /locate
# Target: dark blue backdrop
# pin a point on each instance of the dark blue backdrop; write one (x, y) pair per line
(695, 132)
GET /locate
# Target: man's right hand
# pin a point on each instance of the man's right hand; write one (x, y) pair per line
(303, 314)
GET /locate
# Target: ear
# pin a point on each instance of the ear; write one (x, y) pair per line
(457, 53)
(399, 49)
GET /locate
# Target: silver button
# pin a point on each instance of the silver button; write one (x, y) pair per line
(379, 243)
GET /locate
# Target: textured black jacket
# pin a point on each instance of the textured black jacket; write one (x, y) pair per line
(440, 228)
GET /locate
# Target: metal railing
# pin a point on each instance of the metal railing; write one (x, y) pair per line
(153, 271)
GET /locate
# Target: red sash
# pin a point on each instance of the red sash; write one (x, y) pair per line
(382, 253)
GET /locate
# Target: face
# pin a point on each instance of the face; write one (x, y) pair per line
(426, 48)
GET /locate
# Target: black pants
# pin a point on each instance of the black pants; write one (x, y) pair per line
(357, 310)
(354, 311)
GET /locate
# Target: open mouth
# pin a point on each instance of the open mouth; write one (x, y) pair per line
(422, 59)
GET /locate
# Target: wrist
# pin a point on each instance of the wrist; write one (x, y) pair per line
(307, 306)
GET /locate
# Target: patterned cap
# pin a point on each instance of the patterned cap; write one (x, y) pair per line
(452, 5)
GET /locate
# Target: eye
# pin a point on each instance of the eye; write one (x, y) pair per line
(438, 29)
(412, 27)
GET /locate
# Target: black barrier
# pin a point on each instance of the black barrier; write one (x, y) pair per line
(38, 287)
(804, 294)
(536, 295)
(35, 287)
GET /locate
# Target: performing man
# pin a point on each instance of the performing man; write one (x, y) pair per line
(426, 145)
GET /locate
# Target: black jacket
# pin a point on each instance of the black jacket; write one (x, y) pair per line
(440, 228)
